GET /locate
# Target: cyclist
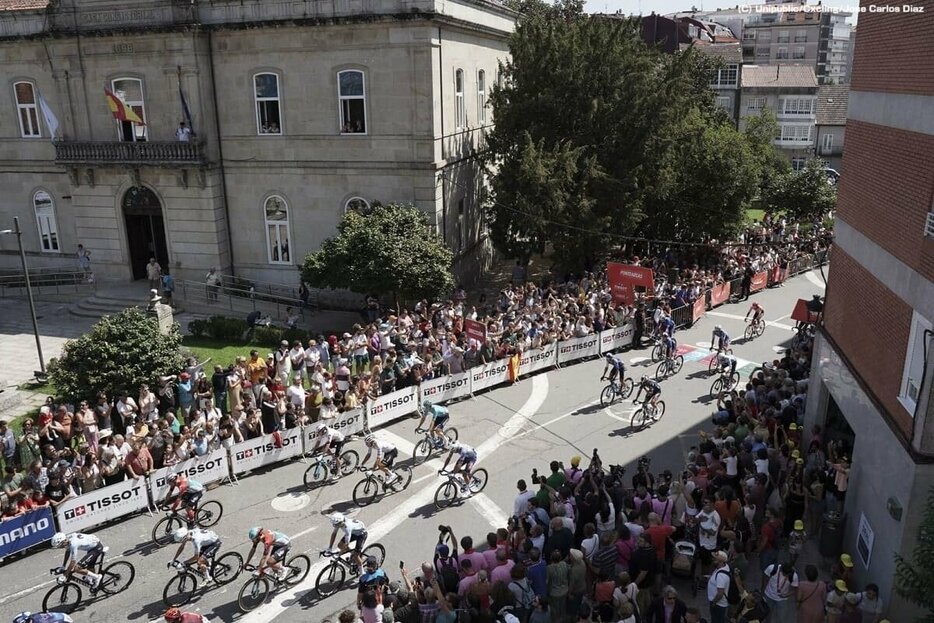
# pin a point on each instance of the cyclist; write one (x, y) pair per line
(670, 344)
(720, 338)
(757, 312)
(353, 530)
(652, 391)
(275, 548)
(386, 453)
(204, 543)
(189, 493)
(175, 615)
(615, 367)
(42, 617)
(77, 542)
(330, 441)
(667, 326)
(439, 417)
(466, 458)
(726, 360)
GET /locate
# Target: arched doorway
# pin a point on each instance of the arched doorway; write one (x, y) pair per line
(145, 230)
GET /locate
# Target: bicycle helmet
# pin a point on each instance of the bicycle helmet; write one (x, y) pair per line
(644, 378)
(172, 614)
(179, 535)
(171, 479)
(427, 405)
(320, 429)
(608, 356)
(718, 328)
(254, 532)
(59, 539)
(23, 617)
(369, 439)
(337, 519)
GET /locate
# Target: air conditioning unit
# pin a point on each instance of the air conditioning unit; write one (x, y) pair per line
(929, 225)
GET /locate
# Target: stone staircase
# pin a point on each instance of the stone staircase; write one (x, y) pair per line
(112, 299)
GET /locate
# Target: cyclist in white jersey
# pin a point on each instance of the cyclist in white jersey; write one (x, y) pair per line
(204, 544)
(75, 544)
(329, 441)
(386, 453)
(466, 458)
(351, 530)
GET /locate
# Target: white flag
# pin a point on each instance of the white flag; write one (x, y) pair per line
(50, 119)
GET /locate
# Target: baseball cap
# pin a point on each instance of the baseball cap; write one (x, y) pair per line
(184, 376)
(443, 550)
(840, 586)
(575, 461)
(847, 560)
(799, 525)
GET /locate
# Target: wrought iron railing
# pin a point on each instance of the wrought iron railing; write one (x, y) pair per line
(130, 153)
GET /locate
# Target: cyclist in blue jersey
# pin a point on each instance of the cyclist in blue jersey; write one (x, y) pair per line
(615, 367)
(439, 417)
(42, 617)
(670, 344)
(373, 578)
(720, 339)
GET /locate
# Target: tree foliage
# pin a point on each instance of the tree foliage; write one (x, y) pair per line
(598, 135)
(761, 131)
(120, 351)
(914, 579)
(804, 194)
(390, 250)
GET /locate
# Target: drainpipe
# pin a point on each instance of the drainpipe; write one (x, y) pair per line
(220, 153)
(444, 201)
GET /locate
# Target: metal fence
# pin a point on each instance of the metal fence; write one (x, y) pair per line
(43, 281)
(235, 301)
(322, 298)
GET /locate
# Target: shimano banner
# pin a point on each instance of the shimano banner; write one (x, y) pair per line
(578, 348)
(392, 406)
(205, 469)
(489, 375)
(617, 338)
(538, 359)
(18, 533)
(248, 455)
(348, 422)
(446, 388)
(101, 505)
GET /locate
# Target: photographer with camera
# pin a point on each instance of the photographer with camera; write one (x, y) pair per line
(445, 560)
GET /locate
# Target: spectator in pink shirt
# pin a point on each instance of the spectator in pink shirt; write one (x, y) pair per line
(502, 572)
(476, 558)
(469, 577)
(489, 554)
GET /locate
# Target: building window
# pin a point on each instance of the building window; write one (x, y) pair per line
(798, 163)
(726, 76)
(749, 35)
(460, 109)
(784, 36)
(801, 36)
(276, 214)
(755, 104)
(130, 92)
(357, 204)
(723, 101)
(763, 52)
(795, 133)
(268, 112)
(481, 96)
(782, 53)
(27, 110)
(352, 95)
(796, 106)
(919, 344)
(45, 220)
(827, 144)
(798, 52)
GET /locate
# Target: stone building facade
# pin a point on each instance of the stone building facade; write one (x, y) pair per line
(300, 110)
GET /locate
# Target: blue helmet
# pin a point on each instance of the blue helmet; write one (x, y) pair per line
(254, 532)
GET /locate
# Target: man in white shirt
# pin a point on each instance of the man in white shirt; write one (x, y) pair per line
(183, 133)
(781, 584)
(717, 587)
(296, 394)
(283, 363)
(312, 357)
(211, 413)
(708, 526)
(521, 503)
(127, 409)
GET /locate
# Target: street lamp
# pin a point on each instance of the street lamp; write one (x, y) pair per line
(32, 305)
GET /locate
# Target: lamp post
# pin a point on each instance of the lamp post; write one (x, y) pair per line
(32, 305)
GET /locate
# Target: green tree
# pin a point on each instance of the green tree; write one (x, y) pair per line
(803, 195)
(760, 131)
(391, 250)
(120, 351)
(914, 579)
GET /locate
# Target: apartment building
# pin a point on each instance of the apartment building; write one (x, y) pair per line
(830, 123)
(872, 380)
(300, 112)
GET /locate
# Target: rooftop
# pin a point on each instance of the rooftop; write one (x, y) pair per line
(832, 100)
(23, 5)
(778, 76)
(729, 52)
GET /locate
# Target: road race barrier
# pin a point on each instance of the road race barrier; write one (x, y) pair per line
(349, 423)
(392, 406)
(103, 505)
(719, 294)
(265, 450)
(445, 388)
(616, 338)
(489, 374)
(206, 469)
(759, 281)
(25, 531)
(578, 348)
(539, 359)
(776, 276)
(699, 308)
(683, 316)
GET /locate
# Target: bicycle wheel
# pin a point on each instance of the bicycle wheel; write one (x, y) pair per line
(478, 480)
(404, 473)
(716, 387)
(626, 389)
(750, 332)
(299, 565)
(63, 598)
(656, 352)
(677, 364)
(659, 410)
(377, 551)
(760, 328)
(366, 491)
(638, 418)
(253, 594)
(661, 371)
(349, 461)
(315, 475)
(445, 495)
(607, 396)
(162, 531)
(330, 580)
(209, 514)
(714, 364)
(117, 577)
(451, 434)
(422, 451)
(226, 568)
(179, 590)
(734, 380)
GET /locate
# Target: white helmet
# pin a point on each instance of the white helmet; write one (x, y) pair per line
(179, 535)
(369, 439)
(337, 519)
(718, 328)
(59, 539)
(320, 428)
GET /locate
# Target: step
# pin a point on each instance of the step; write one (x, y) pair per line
(94, 307)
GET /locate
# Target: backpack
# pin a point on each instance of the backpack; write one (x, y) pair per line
(523, 606)
(449, 579)
(733, 595)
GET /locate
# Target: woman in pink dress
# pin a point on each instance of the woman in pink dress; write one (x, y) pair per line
(812, 593)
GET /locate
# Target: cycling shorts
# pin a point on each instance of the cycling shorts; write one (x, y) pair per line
(278, 552)
(359, 538)
(208, 551)
(191, 498)
(337, 446)
(467, 460)
(92, 556)
(652, 392)
(390, 456)
(441, 420)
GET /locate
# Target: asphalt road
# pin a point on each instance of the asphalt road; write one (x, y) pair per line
(552, 415)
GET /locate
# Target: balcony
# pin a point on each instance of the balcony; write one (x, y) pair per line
(832, 151)
(154, 154)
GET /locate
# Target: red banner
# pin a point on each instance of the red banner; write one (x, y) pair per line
(777, 276)
(700, 306)
(719, 294)
(475, 330)
(759, 281)
(801, 313)
(624, 277)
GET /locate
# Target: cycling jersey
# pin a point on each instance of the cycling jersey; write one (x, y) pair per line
(50, 617)
(330, 436)
(651, 387)
(668, 326)
(382, 449)
(617, 364)
(274, 540)
(79, 542)
(439, 413)
(186, 485)
(352, 526)
(372, 579)
(202, 540)
(463, 449)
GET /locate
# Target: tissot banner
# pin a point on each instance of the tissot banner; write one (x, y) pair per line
(489, 374)
(446, 387)
(389, 407)
(578, 348)
(616, 338)
(205, 469)
(254, 453)
(348, 423)
(97, 507)
(538, 359)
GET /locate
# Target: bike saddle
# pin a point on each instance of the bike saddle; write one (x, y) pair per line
(106, 549)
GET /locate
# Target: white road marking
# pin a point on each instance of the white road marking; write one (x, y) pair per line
(402, 512)
(813, 278)
(621, 418)
(637, 360)
(737, 317)
(490, 510)
(557, 419)
(290, 502)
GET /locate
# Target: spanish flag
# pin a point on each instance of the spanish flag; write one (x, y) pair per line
(121, 111)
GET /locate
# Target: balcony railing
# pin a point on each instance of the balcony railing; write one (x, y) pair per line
(153, 153)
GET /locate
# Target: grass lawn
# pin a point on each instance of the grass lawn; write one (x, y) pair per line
(754, 215)
(219, 352)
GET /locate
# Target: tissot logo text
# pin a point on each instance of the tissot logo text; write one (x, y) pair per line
(570, 348)
(264, 448)
(485, 374)
(194, 470)
(447, 386)
(395, 402)
(95, 505)
(532, 359)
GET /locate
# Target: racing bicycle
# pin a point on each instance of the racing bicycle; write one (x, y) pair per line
(335, 573)
(449, 491)
(324, 466)
(255, 590)
(647, 412)
(669, 367)
(754, 328)
(715, 360)
(726, 382)
(374, 484)
(658, 351)
(616, 389)
(181, 587)
(207, 514)
(65, 596)
(428, 444)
